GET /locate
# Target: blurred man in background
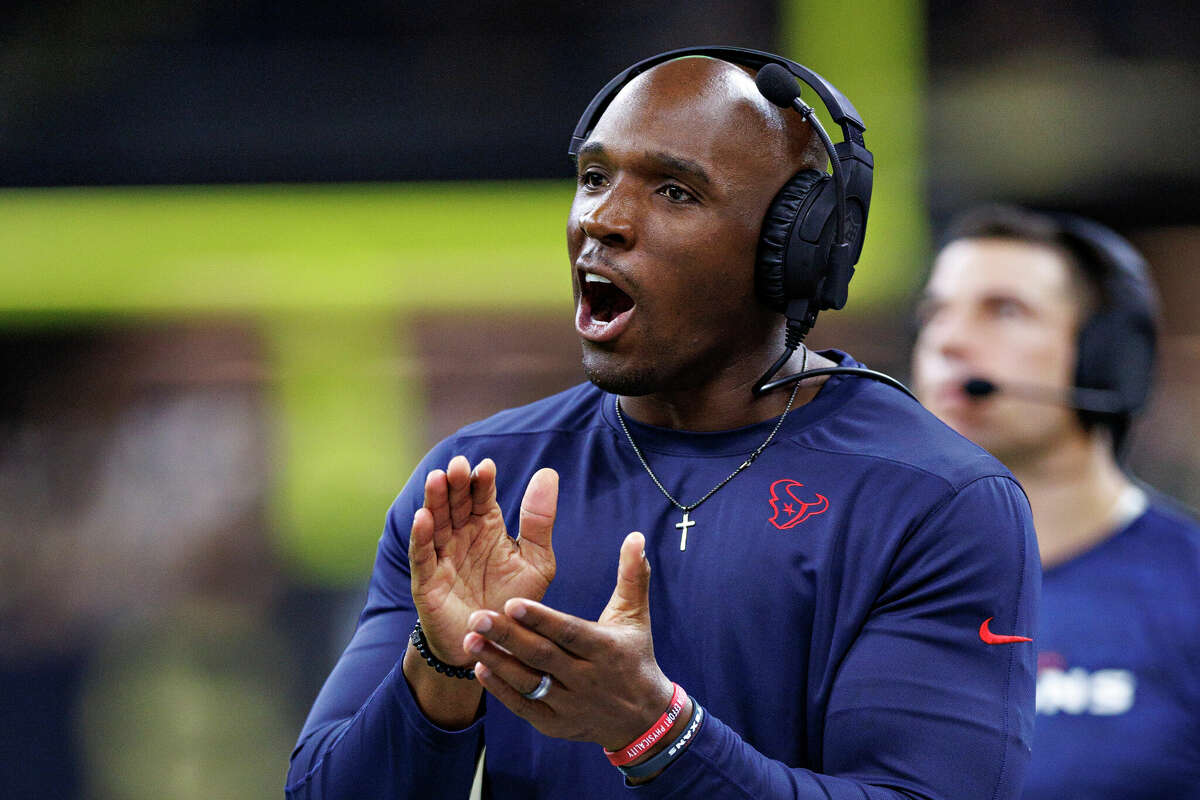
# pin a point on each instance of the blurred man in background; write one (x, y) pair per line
(1037, 341)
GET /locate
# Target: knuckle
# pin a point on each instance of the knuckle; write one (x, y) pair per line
(570, 633)
(541, 654)
(530, 515)
(500, 633)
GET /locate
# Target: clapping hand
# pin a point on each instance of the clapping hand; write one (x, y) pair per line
(462, 557)
(606, 685)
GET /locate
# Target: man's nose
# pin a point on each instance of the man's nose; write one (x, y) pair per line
(609, 219)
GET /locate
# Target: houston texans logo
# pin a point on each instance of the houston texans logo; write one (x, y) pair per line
(789, 509)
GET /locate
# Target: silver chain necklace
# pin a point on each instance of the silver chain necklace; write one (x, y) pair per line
(687, 522)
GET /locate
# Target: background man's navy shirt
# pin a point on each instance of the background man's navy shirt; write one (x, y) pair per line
(1118, 695)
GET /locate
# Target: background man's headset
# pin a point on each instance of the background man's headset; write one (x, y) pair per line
(812, 234)
(1117, 343)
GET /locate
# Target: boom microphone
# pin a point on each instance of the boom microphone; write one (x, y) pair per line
(1098, 401)
(778, 85)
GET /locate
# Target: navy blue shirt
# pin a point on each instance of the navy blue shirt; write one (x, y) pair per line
(1118, 692)
(826, 613)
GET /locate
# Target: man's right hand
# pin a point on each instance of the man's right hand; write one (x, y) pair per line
(462, 559)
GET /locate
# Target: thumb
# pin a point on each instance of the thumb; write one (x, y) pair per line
(539, 507)
(630, 601)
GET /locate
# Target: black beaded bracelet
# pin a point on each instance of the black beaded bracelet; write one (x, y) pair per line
(417, 637)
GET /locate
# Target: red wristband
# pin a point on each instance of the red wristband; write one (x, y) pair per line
(639, 746)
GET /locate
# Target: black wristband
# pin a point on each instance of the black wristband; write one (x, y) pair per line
(417, 637)
(663, 760)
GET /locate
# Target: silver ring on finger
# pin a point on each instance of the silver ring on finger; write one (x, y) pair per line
(539, 691)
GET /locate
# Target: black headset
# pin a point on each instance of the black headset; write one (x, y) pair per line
(1118, 342)
(812, 234)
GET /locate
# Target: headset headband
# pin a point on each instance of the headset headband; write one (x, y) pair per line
(840, 109)
(1121, 266)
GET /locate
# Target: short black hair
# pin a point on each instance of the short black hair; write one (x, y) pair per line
(1000, 221)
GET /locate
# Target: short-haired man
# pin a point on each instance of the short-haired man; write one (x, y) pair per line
(842, 587)
(1037, 342)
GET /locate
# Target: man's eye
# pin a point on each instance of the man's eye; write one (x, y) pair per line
(591, 179)
(676, 194)
(1007, 309)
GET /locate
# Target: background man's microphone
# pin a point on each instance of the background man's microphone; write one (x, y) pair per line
(1099, 401)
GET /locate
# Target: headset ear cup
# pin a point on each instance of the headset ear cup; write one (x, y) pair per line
(1116, 354)
(1094, 368)
(771, 261)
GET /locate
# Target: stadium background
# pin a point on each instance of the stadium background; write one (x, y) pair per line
(256, 257)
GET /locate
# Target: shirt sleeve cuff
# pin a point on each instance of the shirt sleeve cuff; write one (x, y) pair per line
(435, 737)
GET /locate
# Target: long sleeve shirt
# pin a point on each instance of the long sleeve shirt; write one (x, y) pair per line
(851, 611)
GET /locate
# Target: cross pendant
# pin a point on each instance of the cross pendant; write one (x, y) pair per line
(683, 526)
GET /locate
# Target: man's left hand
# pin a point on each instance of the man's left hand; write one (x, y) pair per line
(606, 685)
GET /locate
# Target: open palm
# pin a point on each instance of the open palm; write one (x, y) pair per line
(462, 557)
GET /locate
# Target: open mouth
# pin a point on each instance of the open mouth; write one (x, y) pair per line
(605, 302)
(604, 310)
